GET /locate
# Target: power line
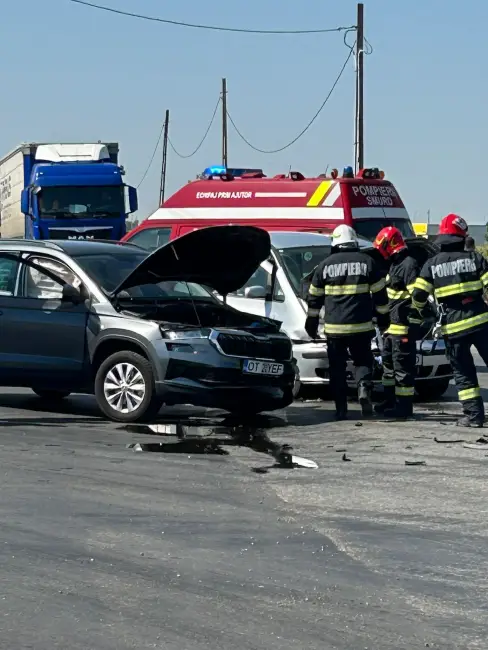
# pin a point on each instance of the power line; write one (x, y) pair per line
(152, 157)
(212, 119)
(216, 28)
(303, 131)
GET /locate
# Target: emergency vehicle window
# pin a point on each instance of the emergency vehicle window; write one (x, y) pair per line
(369, 228)
(8, 274)
(151, 238)
(39, 285)
(262, 279)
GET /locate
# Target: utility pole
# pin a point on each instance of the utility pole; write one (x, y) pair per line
(165, 159)
(359, 132)
(224, 122)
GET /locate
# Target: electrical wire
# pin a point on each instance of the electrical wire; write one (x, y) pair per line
(216, 28)
(152, 157)
(303, 131)
(180, 155)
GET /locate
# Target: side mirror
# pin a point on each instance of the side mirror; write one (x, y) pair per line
(25, 202)
(72, 294)
(255, 292)
(133, 202)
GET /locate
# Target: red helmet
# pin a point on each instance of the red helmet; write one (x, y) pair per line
(453, 225)
(389, 241)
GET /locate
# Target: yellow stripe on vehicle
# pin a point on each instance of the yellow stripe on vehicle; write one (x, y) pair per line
(397, 330)
(319, 194)
(316, 291)
(466, 324)
(353, 328)
(468, 393)
(460, 287)
(423, 285)
(378, 286)
(397, 295)
(403, 391)
(346, 289)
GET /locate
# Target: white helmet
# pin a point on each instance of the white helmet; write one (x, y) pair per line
(344, 236)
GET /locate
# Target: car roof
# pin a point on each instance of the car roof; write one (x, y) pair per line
(72, 247)
(287, 239)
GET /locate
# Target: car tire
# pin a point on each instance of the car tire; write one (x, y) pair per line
(139, 405)
(431, 389)
(51, 395)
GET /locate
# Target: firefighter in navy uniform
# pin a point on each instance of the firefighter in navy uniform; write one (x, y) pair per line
(458, 279)
(399, 345)
(352, 289)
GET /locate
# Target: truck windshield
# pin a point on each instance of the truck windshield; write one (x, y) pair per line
(81, 202)
(300, 261)
(369, 228)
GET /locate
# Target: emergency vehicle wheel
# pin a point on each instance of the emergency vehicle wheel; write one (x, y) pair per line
(432, 389)
(51, 394)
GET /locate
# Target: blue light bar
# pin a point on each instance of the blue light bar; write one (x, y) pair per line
(216, 169)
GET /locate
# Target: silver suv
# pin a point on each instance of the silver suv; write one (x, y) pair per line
(140, 330)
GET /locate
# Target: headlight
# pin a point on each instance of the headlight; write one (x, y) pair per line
(186, 334)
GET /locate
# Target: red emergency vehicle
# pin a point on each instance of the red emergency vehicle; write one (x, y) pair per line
(367, 202)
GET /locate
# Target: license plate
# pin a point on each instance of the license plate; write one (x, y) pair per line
(262, 367)
(418, 360)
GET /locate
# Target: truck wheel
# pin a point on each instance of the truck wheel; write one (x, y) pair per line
(431, 389)
(52, 395)
(125, 389)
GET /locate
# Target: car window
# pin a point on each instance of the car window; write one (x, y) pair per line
(260, 278)
(151, 238)
(8, 274)
(39, 285)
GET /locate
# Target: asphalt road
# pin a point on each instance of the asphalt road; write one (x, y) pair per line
(104, 548)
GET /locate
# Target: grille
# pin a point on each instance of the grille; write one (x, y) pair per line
(72, 234)
(245, 345)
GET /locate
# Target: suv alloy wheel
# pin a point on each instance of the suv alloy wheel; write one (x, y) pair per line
(124, 388)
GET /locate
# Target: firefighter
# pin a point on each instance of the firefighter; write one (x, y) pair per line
(352, 288)
(458, 279)
(399, 344)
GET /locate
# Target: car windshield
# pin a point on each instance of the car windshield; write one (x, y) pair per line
(369, 228)
(108, 270)
(300, 261)
(81, 202)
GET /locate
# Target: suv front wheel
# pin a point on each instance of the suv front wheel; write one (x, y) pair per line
(124, 388)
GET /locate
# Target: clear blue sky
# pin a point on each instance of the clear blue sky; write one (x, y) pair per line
(74, 73)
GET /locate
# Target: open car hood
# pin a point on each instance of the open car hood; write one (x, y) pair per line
(220, 257)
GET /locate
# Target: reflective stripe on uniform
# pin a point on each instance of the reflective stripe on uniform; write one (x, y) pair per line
(355, 328)
(415, 321)
(382, 309)
(418, 305)
(346, 289)
(422, 284)
(468, 393)
(466, 324)
(403, 391)
(387, 382)
(398, 330)
(313, 312)
(484, 279)
(397, 295)
(461, 287)
(316, 291)
(410, 288)
(378, 286)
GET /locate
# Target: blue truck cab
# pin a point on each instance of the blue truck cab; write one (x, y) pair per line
(64, 191)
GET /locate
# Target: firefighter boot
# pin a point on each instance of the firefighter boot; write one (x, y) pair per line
(341, 410)
(402, 410)
(388, 401)
(364, 397)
